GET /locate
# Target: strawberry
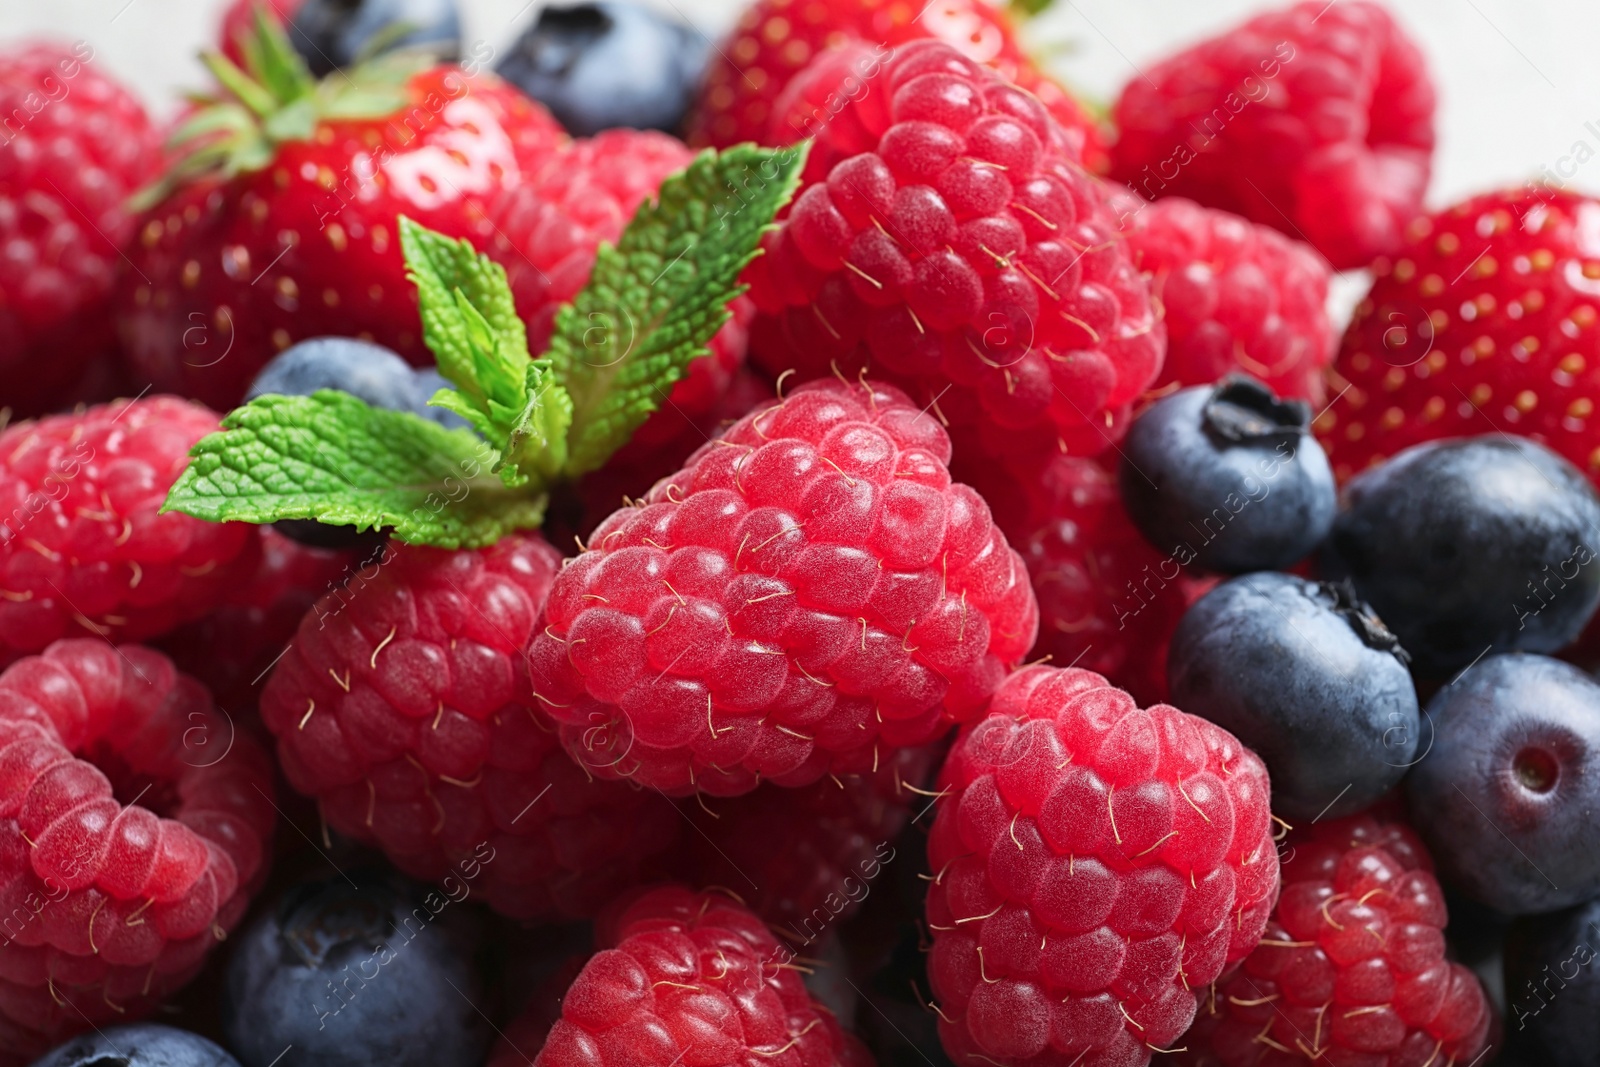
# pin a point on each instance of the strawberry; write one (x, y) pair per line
(1484, 321)
(280, 223)
(776, 39)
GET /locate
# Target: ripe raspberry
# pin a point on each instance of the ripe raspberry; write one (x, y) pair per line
(809, 593)
(945, 237)
(1096, 863)
(231, 649)
(1237, 296)
(775, 40)
(1485, 320)
(403, 709)
(548, 227)
(76, 146)
(83, 546)
(1352, 969)
(1109, 601)
(803, 859)
(1313, 119)
(134, 825)
(688, 974)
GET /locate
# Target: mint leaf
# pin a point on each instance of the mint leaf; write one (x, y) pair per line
(334, 458)
(470, 322)
(538, 441)
(661, 293)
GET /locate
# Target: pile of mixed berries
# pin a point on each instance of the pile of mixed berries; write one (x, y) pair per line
(908, 573)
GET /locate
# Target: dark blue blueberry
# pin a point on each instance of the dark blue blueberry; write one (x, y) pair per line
(1552, 974)
(1309, 678)
(1508, 794)
(384, 974)
(137, 1045)
(1472, 545)
(1228, 477)
(604, 65)
(333, 34)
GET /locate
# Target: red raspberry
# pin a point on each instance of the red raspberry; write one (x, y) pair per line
(402, 707)
(232, 648)
(134, 825)
(548, 227)
(808, 594)
(1237, 296)
(75, 146)
(1484, 320)
(693, 978)
(1316, 119)
(804, 859)
(83, 545)
(1096, 863)
(1352, 969)
(1108, 599)
(776, 39)
(945, 237)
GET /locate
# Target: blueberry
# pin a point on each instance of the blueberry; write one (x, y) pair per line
(1309, 678)
(386, 973)
(604, 65)
(1228, 477)
(1552, 971)
(1472, 545)
(137, 1045)
(1506, 797)
(331, 34)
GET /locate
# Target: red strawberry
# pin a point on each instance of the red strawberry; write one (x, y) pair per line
(74, 147)
(1237, 296)
(775, 39)
(1484, 321)
(944, 237)
(128, 849)
(84, 548)
(1316, 119)
(303, 243)
(1352, 969)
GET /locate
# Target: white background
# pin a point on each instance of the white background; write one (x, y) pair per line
(1517, 79)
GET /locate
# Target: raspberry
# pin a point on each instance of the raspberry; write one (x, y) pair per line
(83, 546)
(76, 146)
(1312, 119)
(1352, 969)
(403, 709)
(750, 72)
(231, 649)
(692, 974)
(134, 825)
(1484, 321)
(945, 237)
(1109, 601)
(806, 858)
(1095, 863)
(547, 230)
(1237, 296)
(807, 594)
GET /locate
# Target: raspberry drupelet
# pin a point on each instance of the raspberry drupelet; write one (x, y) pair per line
(135, 822)
(945, 237)
(402, 707)
(688, 977)
(1095, 864)
(809, 593)
(1352, 970)
(84, 548)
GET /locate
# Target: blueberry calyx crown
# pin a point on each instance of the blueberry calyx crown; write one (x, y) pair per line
(1362, 619)
(318, 917)
(1242, 410)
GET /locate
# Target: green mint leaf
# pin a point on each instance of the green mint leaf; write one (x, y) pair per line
(336, 459)
(538, 441)
(661, 293)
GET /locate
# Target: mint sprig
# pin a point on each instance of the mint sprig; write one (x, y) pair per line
(652, 304)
